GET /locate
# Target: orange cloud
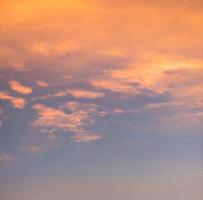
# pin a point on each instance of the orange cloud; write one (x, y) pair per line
(18, 87)
(156, 36)
(17, 102)
(155, 26)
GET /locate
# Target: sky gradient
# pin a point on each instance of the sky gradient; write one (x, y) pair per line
(101, 99)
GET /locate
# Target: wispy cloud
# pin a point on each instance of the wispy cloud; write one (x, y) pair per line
(18, 87)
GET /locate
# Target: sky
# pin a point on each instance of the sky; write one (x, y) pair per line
(101, 99)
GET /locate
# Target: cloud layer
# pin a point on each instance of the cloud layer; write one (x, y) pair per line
(71, 64)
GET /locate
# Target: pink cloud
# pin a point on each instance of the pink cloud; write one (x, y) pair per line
(42, 84)
(80, 93)
(5, 157)
(35, 149)
(118, 111)
(86, 137)
(72, 105)
(18, 87)
(55, 120)
(77, 93)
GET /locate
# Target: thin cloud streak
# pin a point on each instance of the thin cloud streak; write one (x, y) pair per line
(42, 84)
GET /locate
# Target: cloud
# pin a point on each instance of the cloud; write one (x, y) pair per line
(65, 35)
(18, 87)
(174, 116)
(55, 119)
(156, 48)
(5, 157)
(80, 93)
(159, 105)
(77, 93)
(37, 148)
(86, 137)
(72, 105)
(118, 111)
(42, 84)
(146, 53)
(17, 102)
(1, 112)
(116, 85)
(181, 82)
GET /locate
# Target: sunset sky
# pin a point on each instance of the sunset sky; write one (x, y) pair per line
(101, 99)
